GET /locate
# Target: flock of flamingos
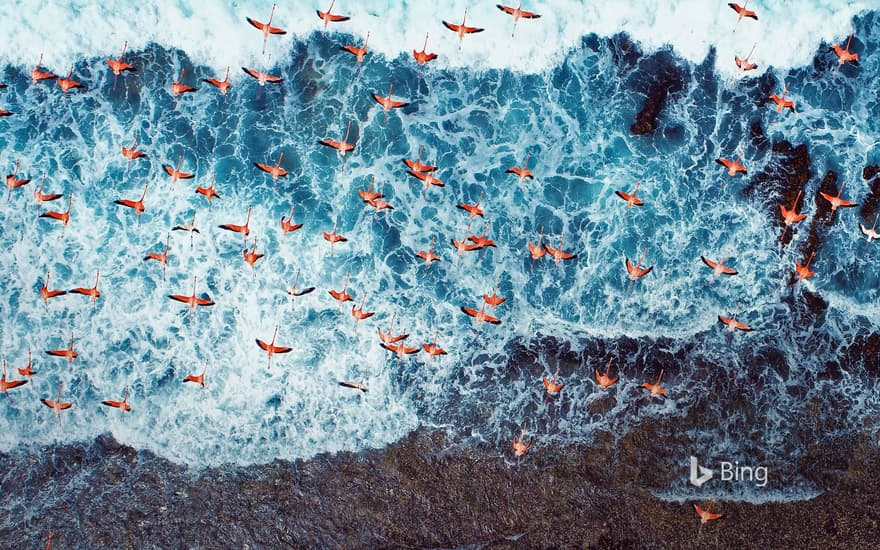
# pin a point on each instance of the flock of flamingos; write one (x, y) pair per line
(394, 343)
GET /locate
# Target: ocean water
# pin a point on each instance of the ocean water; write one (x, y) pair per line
(564, 92)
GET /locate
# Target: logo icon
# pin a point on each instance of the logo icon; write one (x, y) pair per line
(699, 474)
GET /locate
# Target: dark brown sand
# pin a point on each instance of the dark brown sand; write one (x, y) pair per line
(424, 491)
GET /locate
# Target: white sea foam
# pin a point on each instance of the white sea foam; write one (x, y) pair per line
(787, 33)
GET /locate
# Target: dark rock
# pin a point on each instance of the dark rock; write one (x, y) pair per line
(869, 203)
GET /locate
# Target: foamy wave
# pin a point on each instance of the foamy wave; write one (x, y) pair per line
(786, 34)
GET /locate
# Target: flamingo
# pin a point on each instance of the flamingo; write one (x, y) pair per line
(266, 28)
(517, 14)
(329, 17)
(462, 30)
(56, 406)
(423, 56)
(161, 258)
(523, 172)
(359, 53)
(175, 173)
(743, 64)
(63, 217)
(271, 349)
(287, 226)
(198, 378)
(706, 515)
(189, 228)
(604, 380)
(243, 230)
(178, 88)
(192, 301)
(843, 54)
(222, 85)
(123, 405)
(208, 192)
(781, 102)
(655, 389)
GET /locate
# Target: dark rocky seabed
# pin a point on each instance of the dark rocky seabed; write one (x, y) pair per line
(426, 491)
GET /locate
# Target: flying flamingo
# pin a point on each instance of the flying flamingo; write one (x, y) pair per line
(428, 255)
(275, 171)
(790, 216)
(118, 66)
(423, 56)
(803, 271)
(266, 28)
(342, 296)
(871, 233)
(781, 102)
(552, 386)
(706, 515)
(243, 230)
(343, 146)
(222, 85)
(743, 64)
(45, 293)
(843, 54)
(637, 271)
(131, 153)
(287, 225)
(359, 313)
(189, 228)
(523, 172)
(28, 371)
(718, 268)
(92, 292)
(67, 84)
(836, 201)
(137, 206)
(517, 14)
(417, 166)
(733, 324)
(462, 30)
(40, 197)
(6, 385)
(520, 447)
(271, 349)
(386, 102)
(604, 380)
(178, 88)
(295, 292)
(208, 192)
(262, 77)
(56, 406)
(63, 217)
(175, 173)
(656, 390)
(198, 378)
(433, 350)
(333, 237)
(38, 75)
(359, 53)
(161, 258)
(631, 199)
(473, 210)
(69, 353)
(123, 405)
(328, 16)
(252, 256)
(389, 337)
(193, 300)
(481, 316)
(12, 181)
(733, 166)
(557, 253)
(742, 12)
